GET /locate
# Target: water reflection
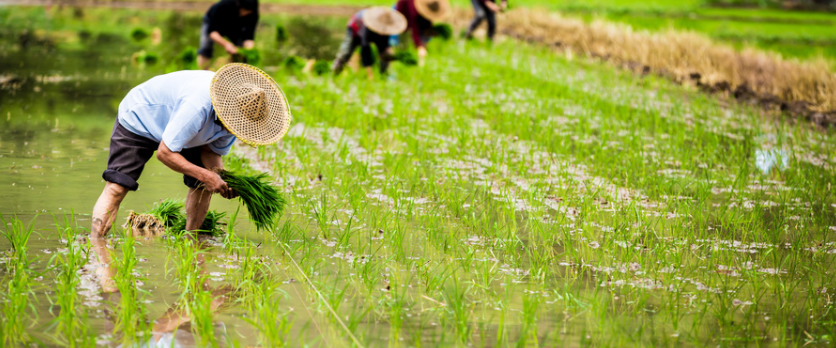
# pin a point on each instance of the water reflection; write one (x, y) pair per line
(173, 327)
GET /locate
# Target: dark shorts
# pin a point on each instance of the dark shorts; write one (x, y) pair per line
(128, 154)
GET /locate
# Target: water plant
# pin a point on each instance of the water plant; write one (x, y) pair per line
(294, 63)
(264, 203)
(321, 67)
(131, 317)
(139, 34)
(18, 283)
(71, 320)
(407, 57)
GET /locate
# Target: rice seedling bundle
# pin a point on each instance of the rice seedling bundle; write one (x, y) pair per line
(294, 63)
(321, 67)
(443, 31)
(407, 57)
(262, 200)
(168, 216)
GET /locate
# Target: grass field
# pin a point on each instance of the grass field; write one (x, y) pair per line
(501, 195)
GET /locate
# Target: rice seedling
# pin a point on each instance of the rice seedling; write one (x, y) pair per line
(18, 283)
(165, 215)
(264, 203)
(407, 57)
(514, 195)
(321, 67)
(294, 63)
(443, 31)
(250, 56)
(71, 320)
(131, 317)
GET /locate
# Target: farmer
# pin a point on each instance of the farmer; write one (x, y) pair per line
(370, 26)
(230, 24)
(485, 10)
(420, 16)
(190, 118)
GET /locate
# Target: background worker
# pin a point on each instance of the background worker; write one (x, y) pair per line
(370, 26)
(190, 119)
(485, 10)
(230, 24)
(420, 16)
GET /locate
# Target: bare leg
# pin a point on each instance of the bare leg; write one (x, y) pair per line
(106, 208)
(203, 62)
(105, 271)
(197, 204)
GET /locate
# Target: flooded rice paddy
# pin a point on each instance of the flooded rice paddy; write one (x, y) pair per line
(500, 196)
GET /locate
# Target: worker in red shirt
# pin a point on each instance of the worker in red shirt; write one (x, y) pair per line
(420, 16)
(372, 26)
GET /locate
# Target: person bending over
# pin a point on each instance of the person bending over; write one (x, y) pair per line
(370, 26)
(420, 16)
(485, 10)
(190, 119)
(230, 24)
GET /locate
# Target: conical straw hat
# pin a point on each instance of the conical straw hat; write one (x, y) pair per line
(384, 20)
(433, 10)
(250, 104)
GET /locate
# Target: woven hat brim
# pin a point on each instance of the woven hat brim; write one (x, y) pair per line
(423, 8)
(372, 20)
(224, 90)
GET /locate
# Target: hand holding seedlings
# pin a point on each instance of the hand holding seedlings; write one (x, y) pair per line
(214, 184)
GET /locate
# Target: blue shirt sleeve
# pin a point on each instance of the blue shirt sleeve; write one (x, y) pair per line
(222, 145)
(184, 125)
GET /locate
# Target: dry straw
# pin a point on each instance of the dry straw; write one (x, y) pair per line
(683, 56)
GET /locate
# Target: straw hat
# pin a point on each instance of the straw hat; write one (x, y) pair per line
(433, 10)
(250, 104)
(384, 20)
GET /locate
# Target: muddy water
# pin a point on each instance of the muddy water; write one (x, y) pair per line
(57, 115)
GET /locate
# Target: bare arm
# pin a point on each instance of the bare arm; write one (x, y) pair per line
(228, 46)
(178, 163)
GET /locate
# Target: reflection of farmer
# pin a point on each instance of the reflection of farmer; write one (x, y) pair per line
(367, 27)
(485, 10)
(420, 16)
(229, 23)
(190, 118)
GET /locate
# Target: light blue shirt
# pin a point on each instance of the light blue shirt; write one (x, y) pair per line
(176, 109)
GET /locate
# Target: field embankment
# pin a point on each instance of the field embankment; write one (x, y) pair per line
(802, 89)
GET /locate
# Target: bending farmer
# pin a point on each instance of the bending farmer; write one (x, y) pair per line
(370, 26)
(485, 10)
(420, 16)
(190, 118)
(230, 24)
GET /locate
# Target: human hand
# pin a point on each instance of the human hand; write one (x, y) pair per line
(231, 49)
(504, 6)
(214, 184)
(422, 54)
(492, 6)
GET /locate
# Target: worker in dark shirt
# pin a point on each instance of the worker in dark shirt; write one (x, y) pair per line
(485, 10)
(229, 23)
(420, 16)
(370, 26)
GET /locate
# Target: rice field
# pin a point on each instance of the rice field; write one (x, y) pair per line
(502, 195)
